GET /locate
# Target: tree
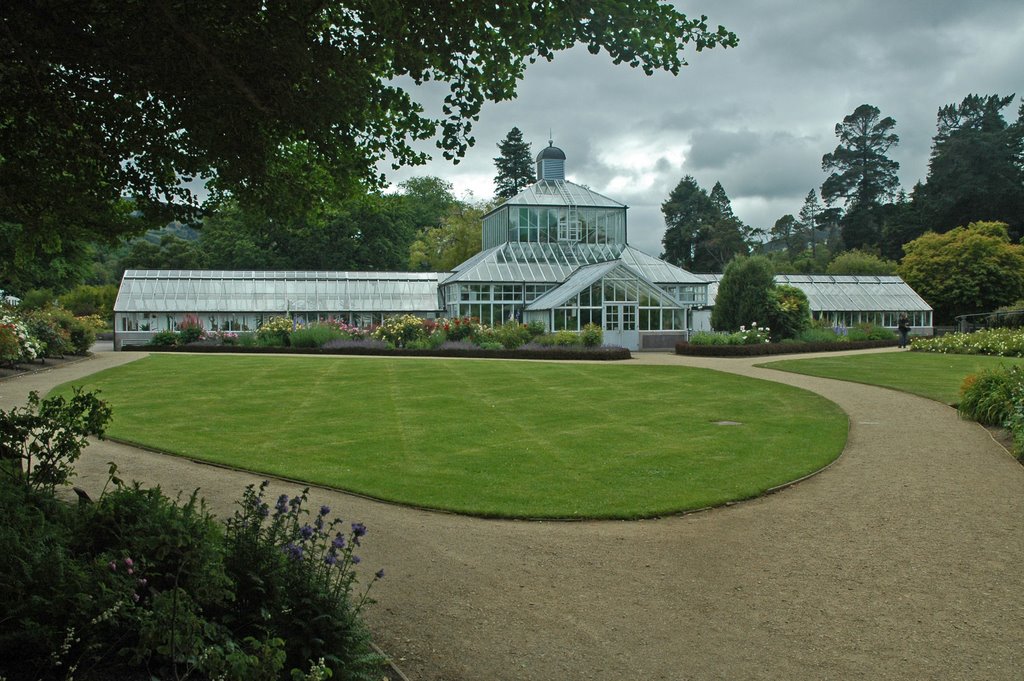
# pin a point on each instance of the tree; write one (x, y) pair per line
(965, 270)
(787, 231)
(428, 199)
(810, 221)
(454, 241)
(277, 105)
(976, 171)
(860, 262)
(863, 176)
(862, 173)
(702, 233)
(515, 165)
(744, 294)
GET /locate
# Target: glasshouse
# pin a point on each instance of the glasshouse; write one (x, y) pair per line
(845, 300)
(556, 253)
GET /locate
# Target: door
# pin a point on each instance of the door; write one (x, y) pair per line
(620, 325)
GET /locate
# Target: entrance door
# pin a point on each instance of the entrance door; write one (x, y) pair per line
(620, 325)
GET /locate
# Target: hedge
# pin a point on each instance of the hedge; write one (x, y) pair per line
(554, 352)
(761, 349)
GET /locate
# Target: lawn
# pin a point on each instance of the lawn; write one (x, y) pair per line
(936, 376)
(492, 438)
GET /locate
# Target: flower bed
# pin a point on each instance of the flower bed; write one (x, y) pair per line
(998, 342)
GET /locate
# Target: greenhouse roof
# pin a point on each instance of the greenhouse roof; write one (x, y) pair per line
(256, 291)
(830, 293)
(590, 274)
(555, 262)
(560, 193)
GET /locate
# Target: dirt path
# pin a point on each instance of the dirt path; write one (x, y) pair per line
(904, 560)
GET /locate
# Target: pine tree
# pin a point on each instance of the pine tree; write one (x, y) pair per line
(515, 165)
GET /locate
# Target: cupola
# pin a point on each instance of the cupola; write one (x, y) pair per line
(551, 163)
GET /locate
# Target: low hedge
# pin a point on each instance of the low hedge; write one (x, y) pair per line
(553, 352)
(761, 349)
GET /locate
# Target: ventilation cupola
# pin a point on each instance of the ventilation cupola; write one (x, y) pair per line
(551, 163)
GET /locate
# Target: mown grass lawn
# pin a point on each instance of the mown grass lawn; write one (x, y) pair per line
(936, 376)
(492, 438)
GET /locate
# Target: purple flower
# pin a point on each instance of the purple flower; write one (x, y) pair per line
(306, 531)
(380, 574)
(324, 510)
(356, 560)
(294, 552)
(264, 510)
(339, 541)
(282, 504)
(358, 530)
(331, 559)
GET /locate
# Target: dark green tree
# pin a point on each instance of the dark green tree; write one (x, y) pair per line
(863, 176)
(744, 294)
(787, 232)
(862, 173)
(515, 165)
(860, 262)
(428, 199)
(976, 171)
(811, 214)
(702, 234)
(279, 105)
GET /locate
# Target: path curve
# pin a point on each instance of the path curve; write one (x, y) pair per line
(904, 560)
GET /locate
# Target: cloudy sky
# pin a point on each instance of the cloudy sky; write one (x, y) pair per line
(757, 118)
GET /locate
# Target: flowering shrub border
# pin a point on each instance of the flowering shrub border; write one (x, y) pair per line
(788, 348)
(998, 342)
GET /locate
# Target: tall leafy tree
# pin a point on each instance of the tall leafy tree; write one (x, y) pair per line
(811, 216)
(788, 232)
(976, 171)
(965, 270)
(428, 199)
(856, 261)
(275, 104)
(515, 165)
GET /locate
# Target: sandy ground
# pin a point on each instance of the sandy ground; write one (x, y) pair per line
(904, 560)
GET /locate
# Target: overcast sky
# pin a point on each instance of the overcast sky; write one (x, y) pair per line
(757, 118)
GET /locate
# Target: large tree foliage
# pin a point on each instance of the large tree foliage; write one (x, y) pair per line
(702, 234)
(976, 171)
(860, 262)
(277, 104)
(454, 241)
(514, 164)
(862, 174)
(965, 270)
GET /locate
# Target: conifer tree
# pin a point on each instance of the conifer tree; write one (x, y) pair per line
(515, 165)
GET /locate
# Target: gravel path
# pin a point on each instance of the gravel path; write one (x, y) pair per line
(904, 560)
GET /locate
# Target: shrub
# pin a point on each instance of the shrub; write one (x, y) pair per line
(399, 331)
(54, 337)
(10, 349)
(275, 332)
(591, 336)
(29, 348)
(817, 335)
(85, 300)
(460, 328)
(40, 443)
(295, 576)
(190, 330)
(164, 338)
(1000, 342)
(989, 397)
(512, 335)
(743, 293)
(790, 312)
(314, 336)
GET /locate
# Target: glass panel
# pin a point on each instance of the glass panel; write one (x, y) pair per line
(611, 318)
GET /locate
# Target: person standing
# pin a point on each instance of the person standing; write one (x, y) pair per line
(903, 325)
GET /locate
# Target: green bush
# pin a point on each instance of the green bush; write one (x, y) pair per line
(818, 335)
(399, 331)
(190, 330)
(591, 336)
(54, 336)
(1000, 342)
(512, 335)
(295, 578)
(789, 313)
(275, 332)
(989, 397)
(164, 338)
(85, 300)
(314, 336)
